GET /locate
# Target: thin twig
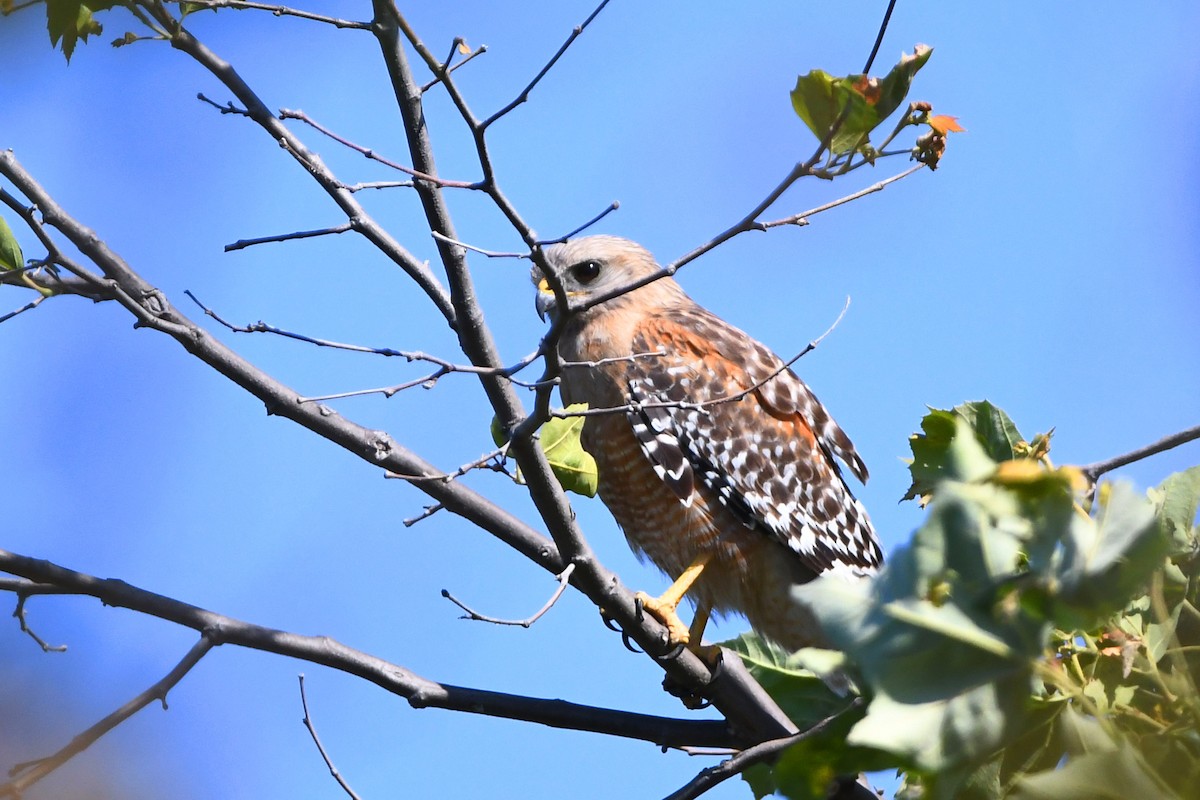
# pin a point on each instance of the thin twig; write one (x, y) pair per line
(228, 108)
(883, 26)
(524, 95)
(563, 578)
(1094, 471)
(30, 306)
(287, 113)
(493, 461)
(19, 613)
(441, 237)
(613, 206)
(30, 772)
(802, 217)
(447, 70)
(426, 513)
(242, 244)
(312, 731)
(358, 187)
(279, 11)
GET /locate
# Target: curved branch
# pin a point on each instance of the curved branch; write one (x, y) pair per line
(420, 692)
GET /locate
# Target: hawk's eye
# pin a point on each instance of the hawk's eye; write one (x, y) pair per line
(586, 271)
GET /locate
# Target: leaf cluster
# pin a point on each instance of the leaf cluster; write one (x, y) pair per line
(843, 111)
(1031, 640)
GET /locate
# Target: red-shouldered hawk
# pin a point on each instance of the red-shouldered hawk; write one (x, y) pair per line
(742, 496)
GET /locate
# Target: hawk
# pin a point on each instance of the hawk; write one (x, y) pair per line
(718, 463)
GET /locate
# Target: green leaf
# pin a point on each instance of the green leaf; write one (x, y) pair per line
(68, 21)
(859, 101)
(820, 100)
(1100, 769)
(799, 682)
(994, 429)
(559, 439)
(946, 450)
(944, 646)
(761, 780)
(573, 466)
(1105, 562)
(11, 256)
(1177, 499)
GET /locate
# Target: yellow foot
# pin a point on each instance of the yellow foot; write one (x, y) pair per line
(665, 610)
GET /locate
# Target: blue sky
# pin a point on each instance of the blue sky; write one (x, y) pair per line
(1049, 266)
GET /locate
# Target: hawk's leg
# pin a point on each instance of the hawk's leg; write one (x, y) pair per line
(665, 608)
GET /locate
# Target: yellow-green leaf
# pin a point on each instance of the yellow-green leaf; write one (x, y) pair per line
(11, 256)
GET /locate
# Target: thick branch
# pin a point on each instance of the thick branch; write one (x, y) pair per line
(420, 692)
(733, 696)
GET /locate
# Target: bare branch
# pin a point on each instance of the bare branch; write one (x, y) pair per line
(524, 95)
(279, 11)
(287, 113)
(613, 206)
(257, 110)
(441, 237)
(312, 731)
(228, 108)
(31, 772)
(19, 613)
(802, 217)
(426, 513)
(242, 244)
(446, 70)
(563, 579)
(420, 692)
(30, 306)
(151, 309)
(757, 754)
(1094, 471)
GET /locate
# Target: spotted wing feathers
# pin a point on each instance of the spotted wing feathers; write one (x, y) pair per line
(767, 456)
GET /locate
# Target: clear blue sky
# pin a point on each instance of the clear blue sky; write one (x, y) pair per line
(1049, 266)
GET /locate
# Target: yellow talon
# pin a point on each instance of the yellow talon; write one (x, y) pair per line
(665, 608)
(666, 612)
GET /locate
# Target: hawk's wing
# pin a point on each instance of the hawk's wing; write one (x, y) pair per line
(767, 456)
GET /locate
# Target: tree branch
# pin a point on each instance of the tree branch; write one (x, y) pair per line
(277, 10)
(420, 692)
(1094, 471)
(31, 772)
(257, 110)
(312, 731)
(524, 95)
(739, 763)
(151, 309)
(735, 697)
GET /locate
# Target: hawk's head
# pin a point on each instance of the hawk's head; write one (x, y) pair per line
(605, 268)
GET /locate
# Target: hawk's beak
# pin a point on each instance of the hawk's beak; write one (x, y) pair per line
(545, 300)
